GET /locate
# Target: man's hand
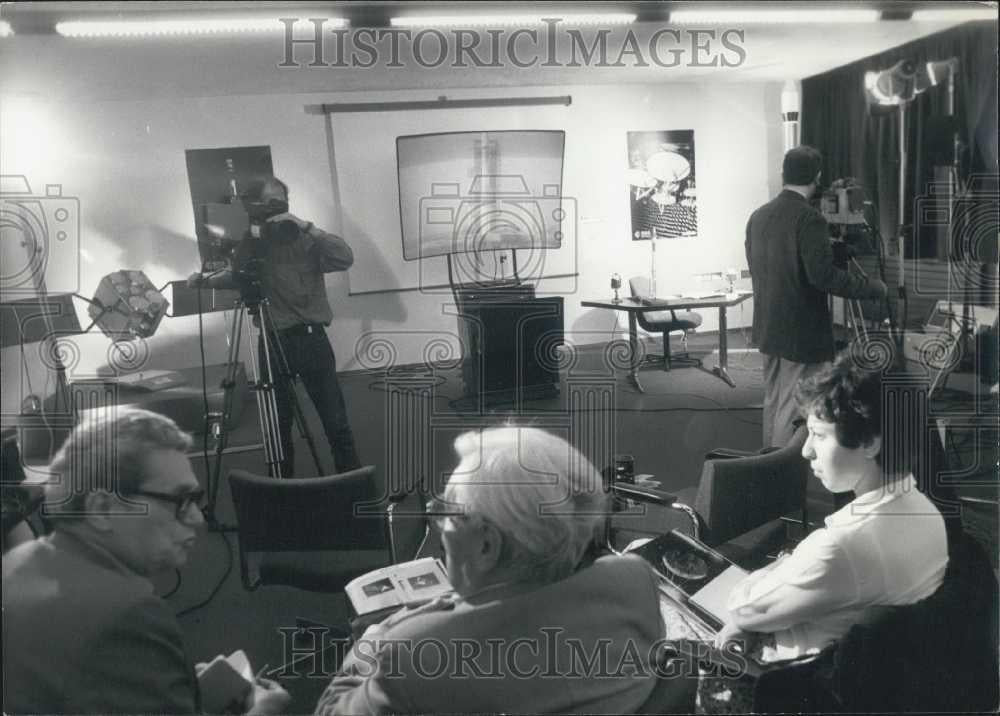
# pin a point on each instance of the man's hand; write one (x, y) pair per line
(267, 697)
(195, 280)
(730, 633)
(288, 216)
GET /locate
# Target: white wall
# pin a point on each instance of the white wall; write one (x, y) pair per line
(125, 162)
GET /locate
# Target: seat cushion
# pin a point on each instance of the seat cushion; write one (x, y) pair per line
(670, 320)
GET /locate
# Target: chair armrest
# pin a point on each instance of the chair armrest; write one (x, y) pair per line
(648, 495)
(730, 453)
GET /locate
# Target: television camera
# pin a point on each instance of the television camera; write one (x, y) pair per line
(843, 205)
(231, 236)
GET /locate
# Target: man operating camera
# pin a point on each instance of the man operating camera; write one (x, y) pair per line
(283, 260)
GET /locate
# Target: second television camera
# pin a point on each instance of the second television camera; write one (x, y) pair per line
(843, 203)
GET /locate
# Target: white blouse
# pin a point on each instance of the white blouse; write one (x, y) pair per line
(887, 547)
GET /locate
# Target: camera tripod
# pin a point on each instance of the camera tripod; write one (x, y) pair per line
(254, 318)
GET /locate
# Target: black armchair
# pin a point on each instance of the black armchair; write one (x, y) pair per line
(314, 533)
(747, 502)
(665, 322)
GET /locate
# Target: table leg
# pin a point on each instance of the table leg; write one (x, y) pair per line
(633, 341)
(722, 370)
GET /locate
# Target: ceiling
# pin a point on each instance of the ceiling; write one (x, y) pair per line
(37, 62)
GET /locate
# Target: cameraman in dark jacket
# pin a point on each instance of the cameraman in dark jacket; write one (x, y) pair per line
(791, 266)
(284, 260)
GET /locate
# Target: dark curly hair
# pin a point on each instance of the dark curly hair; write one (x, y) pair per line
(846, 395)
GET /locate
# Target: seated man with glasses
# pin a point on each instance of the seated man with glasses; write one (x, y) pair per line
(530, 628)
(83, 630)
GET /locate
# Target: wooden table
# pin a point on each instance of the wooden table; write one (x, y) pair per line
(633, 307)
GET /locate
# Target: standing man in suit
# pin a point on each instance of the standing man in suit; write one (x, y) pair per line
(83, 630)
(791, 266)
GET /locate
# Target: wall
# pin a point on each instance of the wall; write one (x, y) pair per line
(124, 160)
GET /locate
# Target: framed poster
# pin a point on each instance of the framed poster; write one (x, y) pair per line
(661, 183)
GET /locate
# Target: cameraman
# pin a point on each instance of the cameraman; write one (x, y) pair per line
(283, 260)
(792, 268)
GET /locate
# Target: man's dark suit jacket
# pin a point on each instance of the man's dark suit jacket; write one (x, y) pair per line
(83, 634)
(791, 265)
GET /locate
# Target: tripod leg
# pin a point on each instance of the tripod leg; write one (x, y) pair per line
(214, 478)
(267, 410)
(279, 360)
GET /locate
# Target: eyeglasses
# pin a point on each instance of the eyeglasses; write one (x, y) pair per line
(182, 502)
(439, 512)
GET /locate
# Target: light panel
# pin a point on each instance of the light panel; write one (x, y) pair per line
(766, 15)
(155, 28)
(956, 14)
(509, 20)
(5, 29)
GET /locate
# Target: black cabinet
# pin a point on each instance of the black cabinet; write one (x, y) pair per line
(511, 340)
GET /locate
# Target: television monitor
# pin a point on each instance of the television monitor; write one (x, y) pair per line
(480, 191)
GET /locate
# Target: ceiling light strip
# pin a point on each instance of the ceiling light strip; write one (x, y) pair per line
(147, 28)
(511, 20)
(715, 17)
(955, 14)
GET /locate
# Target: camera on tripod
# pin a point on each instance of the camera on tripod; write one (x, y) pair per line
(232, 234)
(843, 203)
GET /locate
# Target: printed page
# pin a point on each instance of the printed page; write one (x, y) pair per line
(397, 585)
(714, 595)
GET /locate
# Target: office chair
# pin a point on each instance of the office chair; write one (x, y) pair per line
(665, 322)
(624, 495)
(744, 501)
(308, 533)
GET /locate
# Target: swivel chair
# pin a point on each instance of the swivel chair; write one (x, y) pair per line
(665, 322)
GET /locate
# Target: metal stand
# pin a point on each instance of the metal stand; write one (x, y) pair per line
(255, 319)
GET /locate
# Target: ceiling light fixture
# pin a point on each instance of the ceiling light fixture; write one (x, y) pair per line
(500, 20)
(147, 28)
(765, 15)
(955, 14)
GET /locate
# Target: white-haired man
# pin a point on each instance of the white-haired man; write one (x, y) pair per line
(528, 629)
(83, 630)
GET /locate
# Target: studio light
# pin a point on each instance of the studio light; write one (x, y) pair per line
(511, 20)
(127, 305)
(905, 80)
(154, 28)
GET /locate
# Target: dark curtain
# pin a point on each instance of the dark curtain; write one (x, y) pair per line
(857, 143)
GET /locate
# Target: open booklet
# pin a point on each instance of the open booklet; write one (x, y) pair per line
(693, 575)
(225, 683)
(398, 585)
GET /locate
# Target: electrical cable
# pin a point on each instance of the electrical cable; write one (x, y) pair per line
(177, 585)
(204, 391)
(221, 582)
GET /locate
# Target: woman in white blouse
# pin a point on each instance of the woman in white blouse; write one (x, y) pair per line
(886, 547)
